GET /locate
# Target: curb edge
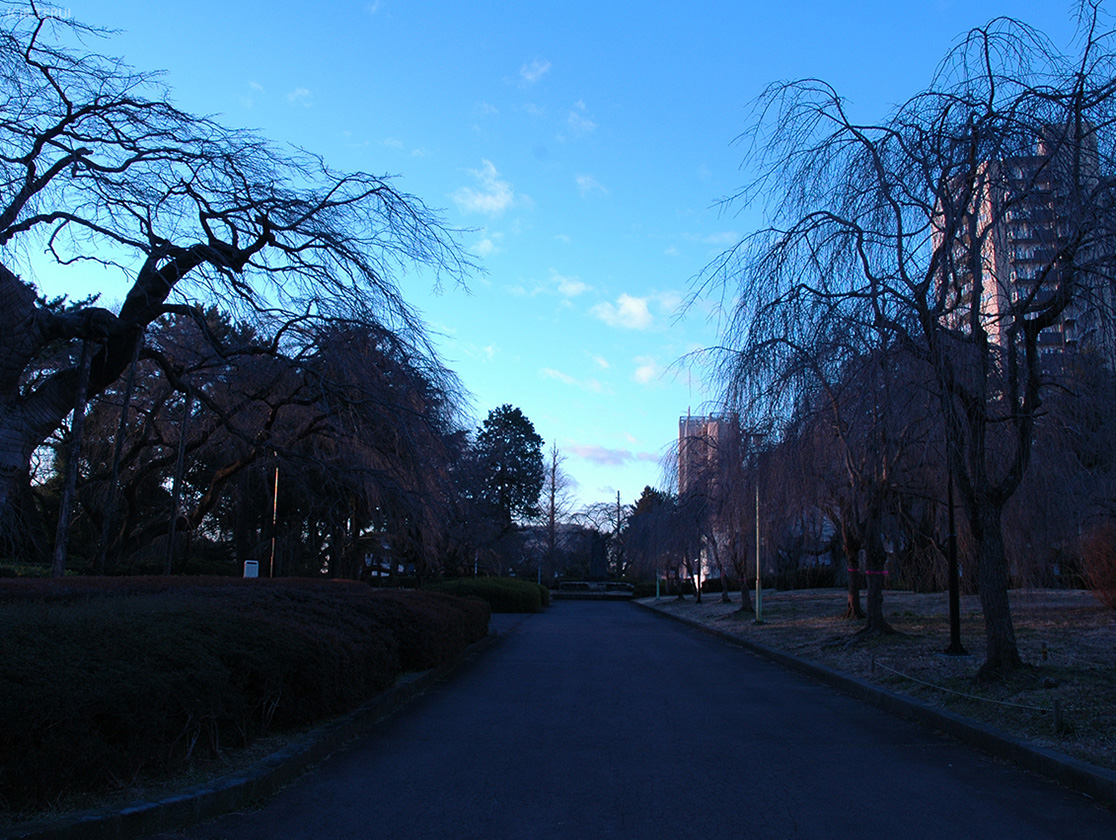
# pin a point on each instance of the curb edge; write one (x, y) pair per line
(1095, 782)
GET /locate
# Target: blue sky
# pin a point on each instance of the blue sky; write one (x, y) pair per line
(584, 145)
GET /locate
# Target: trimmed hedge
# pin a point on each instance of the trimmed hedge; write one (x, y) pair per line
(105, 680)
(504, 595)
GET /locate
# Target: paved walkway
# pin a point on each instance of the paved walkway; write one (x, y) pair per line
(600, 720)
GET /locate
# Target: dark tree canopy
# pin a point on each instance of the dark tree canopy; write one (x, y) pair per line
(510, 460)
(97, 166)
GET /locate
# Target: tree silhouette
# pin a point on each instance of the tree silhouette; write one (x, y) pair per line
(510, 463)
(887, 230)
(97, 166)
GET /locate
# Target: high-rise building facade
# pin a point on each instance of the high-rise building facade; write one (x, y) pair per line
(702, 442)
(1036, 218)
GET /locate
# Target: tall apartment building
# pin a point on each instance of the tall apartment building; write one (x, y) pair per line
(1027, 210)
(701, 442)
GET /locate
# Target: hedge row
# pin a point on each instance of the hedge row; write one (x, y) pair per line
(105, 681)
(504, 595)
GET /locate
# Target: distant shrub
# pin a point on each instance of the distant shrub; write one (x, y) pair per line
(675, 587)
(712, 586)
(15, 568)
(807, 577)
(1098, 559)
(504, 595)
(102, 679)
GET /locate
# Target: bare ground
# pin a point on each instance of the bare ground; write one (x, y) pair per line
(1067, 638)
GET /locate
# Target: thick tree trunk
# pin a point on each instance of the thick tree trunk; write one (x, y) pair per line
(746, 607)
(853, 609)
(851, 547)
(27, 330)
(875, 562)
(876, 624)
(19, 435)
(1002, 655)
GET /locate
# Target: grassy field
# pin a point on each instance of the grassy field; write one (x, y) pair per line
(1067, 637)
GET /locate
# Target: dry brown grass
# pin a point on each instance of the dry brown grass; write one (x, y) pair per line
(1067, 637)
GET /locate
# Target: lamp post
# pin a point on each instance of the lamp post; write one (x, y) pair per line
(759, 566)
(759, 572)
(955, 647)
(274, 517)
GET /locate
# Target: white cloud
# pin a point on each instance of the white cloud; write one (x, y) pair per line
(351, 142)
(399, 146)
(628, 312)
(600, 361)
(568, 286)
(726, 237)
(669, 301)
(249, 99)
(475, 351)
(608, 457)
(551, 373)
(486, 247)
(578, 120)
(300, 96)
(587, 184)
(492, 196)
(647, 370)
(722, 239)
(565, 287)
(593, 385)
(531, 73)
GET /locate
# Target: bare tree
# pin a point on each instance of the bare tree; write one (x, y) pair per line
(97, 165)
(555, 509)
(892, 227)
(608, 521)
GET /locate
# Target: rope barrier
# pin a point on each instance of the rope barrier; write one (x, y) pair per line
(963, 694)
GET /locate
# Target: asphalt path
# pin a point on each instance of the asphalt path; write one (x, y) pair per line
(596, 720)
